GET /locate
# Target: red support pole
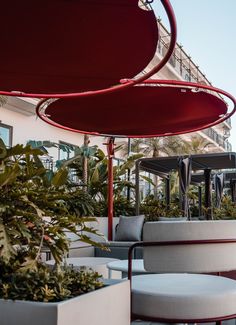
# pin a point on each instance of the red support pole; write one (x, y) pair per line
(110, 151)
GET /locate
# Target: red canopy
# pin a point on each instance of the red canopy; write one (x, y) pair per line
(60, 46)
(155, 108)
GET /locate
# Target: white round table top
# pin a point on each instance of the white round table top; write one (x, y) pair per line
(122, 265)
(84, 261)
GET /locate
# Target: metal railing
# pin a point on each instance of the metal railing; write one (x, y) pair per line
(180, 61)
(228, 121)
(189, 71)
(219, 139)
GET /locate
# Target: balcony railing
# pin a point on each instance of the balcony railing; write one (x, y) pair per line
(228, 121)
(219, 139)
(180, 61)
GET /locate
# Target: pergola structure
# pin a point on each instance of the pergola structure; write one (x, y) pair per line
(229, 179)
(163, 166)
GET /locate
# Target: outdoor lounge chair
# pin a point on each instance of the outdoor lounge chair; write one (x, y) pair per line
(127, 231)
(180, 252)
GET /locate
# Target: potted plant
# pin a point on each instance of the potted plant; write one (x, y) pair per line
(154, 209)
(227, 210)
(35, 210)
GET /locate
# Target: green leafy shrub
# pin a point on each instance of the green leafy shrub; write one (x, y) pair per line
(122, 206)
(44, 284)
(154, 209)
(35, 213)
(227, 209)
(80, 203)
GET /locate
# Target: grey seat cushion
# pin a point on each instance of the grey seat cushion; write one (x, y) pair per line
(119, 243)
(183, 296)
(129, 228)
(172, 219)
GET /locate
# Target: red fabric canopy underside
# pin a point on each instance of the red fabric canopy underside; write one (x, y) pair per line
(140, 111)
(60, 46)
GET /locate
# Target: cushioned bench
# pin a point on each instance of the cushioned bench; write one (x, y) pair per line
(119, 250)
(128, 231)
(177, 250)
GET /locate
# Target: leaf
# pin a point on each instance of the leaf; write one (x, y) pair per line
(88, 219)
(66, 163)
(29, 264)
(147, 179)
(19, 150)
(118, 147)
(95, 176)
(92, 150)
(88, 151)
(3, 149)
(39, 212)
(66, 147)
(60, 177)
(129, 164)
(47, 144)
(100, 154)
(38, 161)
(88, 240)
(9, 175)
(6, 249)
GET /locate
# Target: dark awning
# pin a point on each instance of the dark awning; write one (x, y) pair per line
(201, 162)
(213, 161)
(199, 178)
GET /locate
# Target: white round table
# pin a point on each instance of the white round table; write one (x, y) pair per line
(98, 264)
(122, 266)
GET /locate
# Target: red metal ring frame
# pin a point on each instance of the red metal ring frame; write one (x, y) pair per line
(45, 102)
(124, 83)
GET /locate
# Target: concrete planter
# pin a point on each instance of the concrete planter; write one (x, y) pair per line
(109, 305)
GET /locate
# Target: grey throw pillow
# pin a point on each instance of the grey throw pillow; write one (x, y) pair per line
(129, 228)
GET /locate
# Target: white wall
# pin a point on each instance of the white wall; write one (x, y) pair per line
(27, 126)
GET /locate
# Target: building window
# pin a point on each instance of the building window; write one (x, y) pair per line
(172, 61)
(187, 77)
(6, 134)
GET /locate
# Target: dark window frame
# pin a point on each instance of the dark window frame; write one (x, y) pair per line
(10, 128)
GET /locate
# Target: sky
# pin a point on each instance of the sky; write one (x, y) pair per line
(207, 31)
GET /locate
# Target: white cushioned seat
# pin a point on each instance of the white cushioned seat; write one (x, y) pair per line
(190, 258)
(183, 296)
(177, 292)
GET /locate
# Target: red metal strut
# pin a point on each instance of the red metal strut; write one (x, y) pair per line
(110, 150)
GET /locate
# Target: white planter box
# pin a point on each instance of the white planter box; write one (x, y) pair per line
(109, 305)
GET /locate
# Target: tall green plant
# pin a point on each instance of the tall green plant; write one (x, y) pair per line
(97, 177)
(35, 212)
